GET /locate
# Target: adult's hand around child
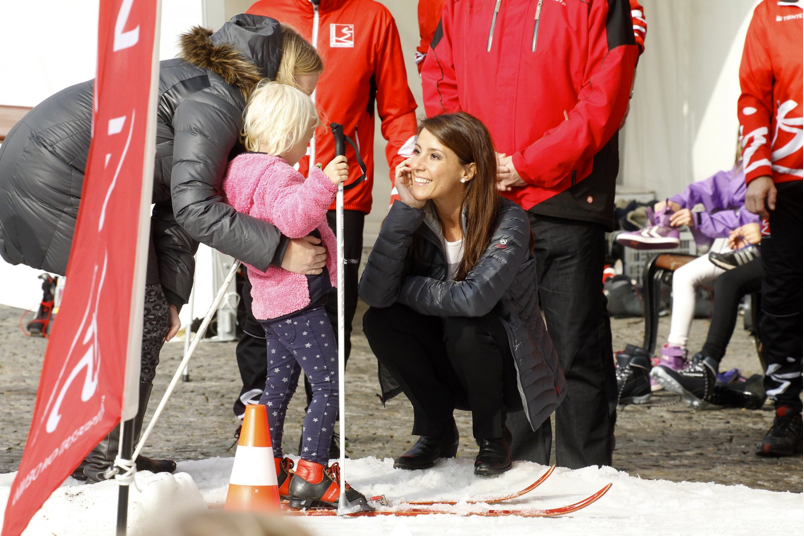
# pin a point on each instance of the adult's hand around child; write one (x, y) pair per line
(403, 180)
(682, 217)
(305, 256)
(508, 177)
(658, 207)
(174, 323)
(759, 191)
(745, 235)
(338, 170)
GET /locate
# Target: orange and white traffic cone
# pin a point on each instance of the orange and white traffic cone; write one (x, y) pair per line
(253, 485)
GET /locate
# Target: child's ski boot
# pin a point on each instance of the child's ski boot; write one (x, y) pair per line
(314, 485)
(284, 472)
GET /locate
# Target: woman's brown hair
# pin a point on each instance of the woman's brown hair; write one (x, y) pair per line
(470, 140)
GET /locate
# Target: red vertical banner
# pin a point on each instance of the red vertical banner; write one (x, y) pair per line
(92, 358)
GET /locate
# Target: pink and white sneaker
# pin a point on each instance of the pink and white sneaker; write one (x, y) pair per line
(659, 235)
(672, 357)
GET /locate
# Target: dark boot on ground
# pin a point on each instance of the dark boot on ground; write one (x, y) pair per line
(427, 449)
(695, 382)
(748, 394)
(633, 377)
(99, 462)
(284, 472)
(784, 437)
(494, 457)
(316, 486)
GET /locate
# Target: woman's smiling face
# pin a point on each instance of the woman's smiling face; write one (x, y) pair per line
(436, 170)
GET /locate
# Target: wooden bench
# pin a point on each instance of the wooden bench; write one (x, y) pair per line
(9, 115)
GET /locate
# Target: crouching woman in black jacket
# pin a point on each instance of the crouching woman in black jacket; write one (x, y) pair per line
(454, 318)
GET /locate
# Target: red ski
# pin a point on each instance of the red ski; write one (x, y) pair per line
(550, 512)
(383, 501)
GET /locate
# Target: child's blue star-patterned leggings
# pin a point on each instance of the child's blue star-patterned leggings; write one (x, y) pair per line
(302, 342)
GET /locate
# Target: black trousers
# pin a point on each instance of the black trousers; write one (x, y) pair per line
(443, 364)
(251, 357)
(730, 287)
(570, 256)
(780, 325)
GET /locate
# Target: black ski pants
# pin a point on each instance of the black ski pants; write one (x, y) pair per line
(569, 257)
(780, 325)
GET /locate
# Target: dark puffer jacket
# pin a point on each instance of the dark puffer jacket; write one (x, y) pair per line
(199, 118)
(503, 282)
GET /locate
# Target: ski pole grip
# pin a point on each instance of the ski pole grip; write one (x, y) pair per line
(340, 144)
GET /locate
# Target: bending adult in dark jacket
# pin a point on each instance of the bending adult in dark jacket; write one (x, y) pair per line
(454, 318)
(199, 118)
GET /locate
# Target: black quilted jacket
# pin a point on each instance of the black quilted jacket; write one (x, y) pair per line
(503, 282)
(199, 118)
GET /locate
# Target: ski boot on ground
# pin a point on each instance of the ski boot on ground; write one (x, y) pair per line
(316, 486)
(672, 357)
(748, 394)
(784, 437)
(633, 376)
(695, 382)
(284, 474)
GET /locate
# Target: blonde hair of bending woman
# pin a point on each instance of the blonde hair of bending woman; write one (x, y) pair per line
(299, 57)
(277, 117)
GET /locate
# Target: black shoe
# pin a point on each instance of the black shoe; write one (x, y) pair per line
(424, 453)
(155, 466)
(695, 382)
(316, 486)
(733, 259)
(749, 394)
(494, 457)
(784, 437)
(633, 377)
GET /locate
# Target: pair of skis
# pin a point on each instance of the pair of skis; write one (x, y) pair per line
(435, 507)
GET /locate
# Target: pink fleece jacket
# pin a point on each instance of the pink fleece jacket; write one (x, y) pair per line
(266, 187)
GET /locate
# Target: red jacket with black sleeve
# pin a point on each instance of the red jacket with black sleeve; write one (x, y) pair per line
(552, 90)
(363, 64)
(770, 105)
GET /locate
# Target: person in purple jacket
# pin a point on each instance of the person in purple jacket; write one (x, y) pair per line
(723, 198)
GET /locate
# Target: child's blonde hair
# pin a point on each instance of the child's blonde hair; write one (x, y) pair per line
(299, 57)
(277, 117)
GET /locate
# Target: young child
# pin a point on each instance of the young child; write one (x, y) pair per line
(279, 123)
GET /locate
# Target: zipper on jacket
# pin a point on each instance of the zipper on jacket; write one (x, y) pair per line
(536, 25)
(315, 46)
(493, 22)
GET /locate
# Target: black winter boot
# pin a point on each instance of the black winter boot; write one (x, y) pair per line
(633, 377)
(494, 457)
(784, 437)
(695, 382)
(426, 450)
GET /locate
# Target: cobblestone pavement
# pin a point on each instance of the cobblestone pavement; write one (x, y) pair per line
(664, 440)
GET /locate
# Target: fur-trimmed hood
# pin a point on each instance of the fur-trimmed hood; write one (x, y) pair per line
(245, 50)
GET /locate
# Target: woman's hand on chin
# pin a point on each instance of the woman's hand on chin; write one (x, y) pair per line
(403, 180)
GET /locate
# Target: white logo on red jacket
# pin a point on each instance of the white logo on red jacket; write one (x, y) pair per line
(341, 35)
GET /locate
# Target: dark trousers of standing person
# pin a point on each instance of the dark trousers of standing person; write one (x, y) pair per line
(780, 326)
(443, 364)
(569, 258)
(251, 347)
(730, 287)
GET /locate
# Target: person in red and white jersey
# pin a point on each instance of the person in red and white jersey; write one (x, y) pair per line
(770, 113)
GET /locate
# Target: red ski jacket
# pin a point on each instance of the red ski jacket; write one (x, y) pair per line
(363, 64)
(769, 107)
(551, 79)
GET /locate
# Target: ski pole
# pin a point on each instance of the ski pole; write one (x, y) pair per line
(340, 149)
(198, 336)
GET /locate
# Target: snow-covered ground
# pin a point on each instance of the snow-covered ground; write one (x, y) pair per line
(632, 506)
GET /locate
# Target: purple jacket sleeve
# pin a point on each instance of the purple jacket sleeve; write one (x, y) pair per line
(724, 189)
(719, 224)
